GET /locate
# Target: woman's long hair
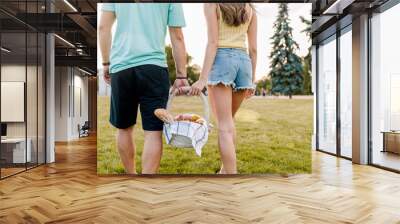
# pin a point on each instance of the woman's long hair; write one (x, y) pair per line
(235, 14)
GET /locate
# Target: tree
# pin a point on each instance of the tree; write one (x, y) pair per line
(193, 71)
(307, 90)
(286, 66)
(170, 63)
(265, 83)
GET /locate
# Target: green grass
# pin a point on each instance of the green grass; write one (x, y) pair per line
(273, 136)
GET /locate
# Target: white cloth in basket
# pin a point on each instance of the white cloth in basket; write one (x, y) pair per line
(185, 134)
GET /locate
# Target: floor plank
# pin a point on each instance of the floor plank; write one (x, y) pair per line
(69, 191)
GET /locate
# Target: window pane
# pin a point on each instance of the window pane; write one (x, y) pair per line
(327, 96)
(386, 89)
(41, 99)
(346, 93)
(14, 153)
(31, 97)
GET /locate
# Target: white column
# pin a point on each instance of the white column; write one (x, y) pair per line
(50, 94)
(360, 90)
(313, 89)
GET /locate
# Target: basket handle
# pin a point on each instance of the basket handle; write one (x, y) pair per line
(203, 97)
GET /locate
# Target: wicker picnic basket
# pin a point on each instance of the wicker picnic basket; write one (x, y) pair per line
(186, 134)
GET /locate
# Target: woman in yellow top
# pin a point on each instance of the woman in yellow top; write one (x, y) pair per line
(228, 69)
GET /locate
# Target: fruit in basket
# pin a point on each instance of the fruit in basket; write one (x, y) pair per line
(183, 117)
(179, 117)
(164, 115)
(200, 121)
(190, 117)
(187, 117)
(195, 117)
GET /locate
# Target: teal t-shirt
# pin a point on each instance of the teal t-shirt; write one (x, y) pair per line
(139, 38)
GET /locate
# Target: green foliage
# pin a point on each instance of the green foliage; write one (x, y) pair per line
(193, 71)
(307, 90)
(308, 23)
(170, 63)
(265, 83)
(286, 66)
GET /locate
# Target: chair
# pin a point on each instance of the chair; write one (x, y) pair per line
(84, 130)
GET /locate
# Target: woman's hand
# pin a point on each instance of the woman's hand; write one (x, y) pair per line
(179, 85)
(106, 72)
(198, 87)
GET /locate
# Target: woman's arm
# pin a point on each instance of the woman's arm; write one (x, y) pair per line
(210, 12)
(104, 28)
(252, 42)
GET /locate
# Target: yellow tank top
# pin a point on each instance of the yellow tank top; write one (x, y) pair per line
(231, 36)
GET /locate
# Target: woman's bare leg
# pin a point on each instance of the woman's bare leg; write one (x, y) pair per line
(237, 99)
(221, 100)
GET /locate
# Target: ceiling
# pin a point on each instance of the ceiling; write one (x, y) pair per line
(327, 13)
(74, 22)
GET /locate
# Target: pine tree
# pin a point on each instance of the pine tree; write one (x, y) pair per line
(286, 66)
(307, 59)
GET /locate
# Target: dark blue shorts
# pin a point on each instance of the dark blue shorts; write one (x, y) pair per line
(145, 86)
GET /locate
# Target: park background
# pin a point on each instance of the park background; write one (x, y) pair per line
(274, 131)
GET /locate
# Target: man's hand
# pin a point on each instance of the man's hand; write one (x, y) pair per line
(198, 87)
(178, 84)
(249, 93)
(106, 72)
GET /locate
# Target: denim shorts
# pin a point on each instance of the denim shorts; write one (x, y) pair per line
(232, 67)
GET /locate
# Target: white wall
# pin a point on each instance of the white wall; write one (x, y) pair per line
(16, 73)
(71, 93)
(61, 103)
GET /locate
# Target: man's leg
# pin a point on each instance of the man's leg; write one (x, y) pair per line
(154, 90)
(152, 152)
(127, 149)
(123, 112)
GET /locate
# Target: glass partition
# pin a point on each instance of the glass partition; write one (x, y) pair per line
(346, 93)
(385, 90)
(14, 153)
(32, 98)
(41, 97)
(22, 101)
(327, 95)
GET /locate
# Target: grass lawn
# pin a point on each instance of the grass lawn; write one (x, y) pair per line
(273, 136)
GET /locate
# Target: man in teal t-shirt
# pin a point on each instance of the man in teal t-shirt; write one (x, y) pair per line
(134, 63)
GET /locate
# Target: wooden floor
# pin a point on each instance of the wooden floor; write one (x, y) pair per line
(69, 191)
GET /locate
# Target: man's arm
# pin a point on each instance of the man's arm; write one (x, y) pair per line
(180, 57)
(104, 28)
